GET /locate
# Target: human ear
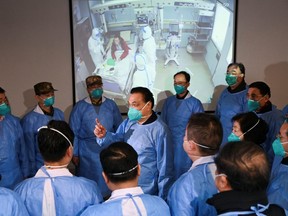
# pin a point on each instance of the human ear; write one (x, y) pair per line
(222, 183)
(138, 170)
(105, 178)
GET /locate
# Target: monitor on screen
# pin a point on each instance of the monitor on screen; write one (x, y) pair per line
(145, 42)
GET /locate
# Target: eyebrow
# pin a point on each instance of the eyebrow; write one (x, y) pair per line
(133, 102)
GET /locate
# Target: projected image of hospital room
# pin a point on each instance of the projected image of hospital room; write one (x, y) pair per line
(140, 42)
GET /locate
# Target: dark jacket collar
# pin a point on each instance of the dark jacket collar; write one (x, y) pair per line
(242, 86)
(151, 119)
(237, 201)
(266, 108)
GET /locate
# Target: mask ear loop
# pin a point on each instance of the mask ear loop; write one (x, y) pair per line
(261, 98)
(144, 106)
(59, 132)
(251, 127)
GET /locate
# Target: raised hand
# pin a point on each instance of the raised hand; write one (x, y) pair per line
(100, 130)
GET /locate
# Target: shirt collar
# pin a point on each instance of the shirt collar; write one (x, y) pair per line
(38, 109)
(203, 160)
(88, 100)
(121, 193)
(187, 95)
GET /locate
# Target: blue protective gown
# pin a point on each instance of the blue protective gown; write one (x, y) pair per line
(189, 193)
(13, 156)
(130, 201)
(230, 104)
(274, 119)
(30, 124)
(11, 203)
(71, 195)
(153, 143)
(176, 113)
(82, 122)
(278, 187)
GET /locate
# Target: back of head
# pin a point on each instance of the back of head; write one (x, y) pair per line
(263, 88)
(119, 162)
(206, 130)
(246, 166)
(53, 140)
(147, 94)
(253, 127)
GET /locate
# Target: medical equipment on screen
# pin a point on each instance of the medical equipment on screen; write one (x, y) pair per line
(172, 44)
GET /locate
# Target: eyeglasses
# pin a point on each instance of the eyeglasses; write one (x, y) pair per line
(180, 83)
(97, 86)
(232, 73)
(253, 96)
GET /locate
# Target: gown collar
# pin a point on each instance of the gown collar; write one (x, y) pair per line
(121, 193)
(53, 173)
(203, 160)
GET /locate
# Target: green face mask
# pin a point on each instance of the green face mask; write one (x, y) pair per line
(179, 89)
(97, 93)
(233, 137)
(4, 109)
(253, 105)
(134, 114)
(49, 101)
(231, 79)
(278, 147)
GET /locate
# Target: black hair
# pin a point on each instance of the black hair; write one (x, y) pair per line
(52, 145)
(248, 120)
(119, 162)
(147, 94)
(205, 129)
(187, 75)
(263, 88)
(240, 65)
(2, 91)
(246, 166)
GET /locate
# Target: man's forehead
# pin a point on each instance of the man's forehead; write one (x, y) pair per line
(234, 68)
(253, 90)
(135, 97)
(180, 78)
